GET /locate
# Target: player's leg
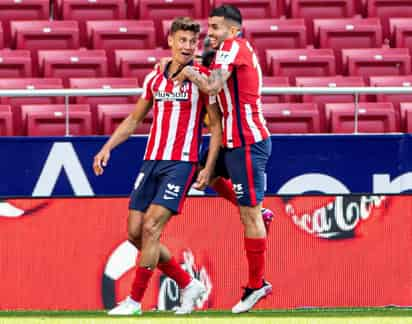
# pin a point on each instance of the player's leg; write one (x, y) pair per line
(247, 168)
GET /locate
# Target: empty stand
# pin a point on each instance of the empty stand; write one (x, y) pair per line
(385, 9)
(21, 10)
(1, 37)
(393, 81)
(376, 62)
(158, 10)
(287, 118)
(27, 83)
(406, 116)
(15, 64)
(105, 83)
(253, 9)
(275, 82)
(401, 32)
(73, 64)
(50, 120)
(138, 63)
(301, 62)
(372, 118)
(110, 116)
(274, 34)
(6, 121)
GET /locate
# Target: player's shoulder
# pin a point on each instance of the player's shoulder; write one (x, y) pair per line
(233, 43)
(152, 74)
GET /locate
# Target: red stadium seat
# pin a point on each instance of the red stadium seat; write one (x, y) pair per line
(274, 34)
(110, 116)
(84, 10)
(406, 116)
(21, 10)
(376, 61)
(16, 103)
(289, 118)
(167, 24)
(385, 9)
(347, 33)
(105, 83)
(158, 10)
(15, 64)
(73, 64)
(138, 63)
(275, 82)
(392, 81)
(401, 32)
(256, 8)
(301, 62)
(50, 120)
(1, 37)
(372, 118)
(315, 9)
(6, 121)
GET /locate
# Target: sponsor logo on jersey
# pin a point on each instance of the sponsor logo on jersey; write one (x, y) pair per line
(171, 96)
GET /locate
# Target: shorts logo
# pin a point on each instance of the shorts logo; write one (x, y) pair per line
(238, 189)
(171, 192)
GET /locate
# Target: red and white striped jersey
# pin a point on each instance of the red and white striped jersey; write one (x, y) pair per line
(177, 117)
(240, 100)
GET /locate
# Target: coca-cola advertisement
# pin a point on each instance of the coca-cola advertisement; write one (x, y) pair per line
(323, 251)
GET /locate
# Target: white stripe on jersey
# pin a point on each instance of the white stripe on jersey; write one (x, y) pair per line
(146, 81)
(261, 118)
(224, 58)
(190, 129)
(229, 119)
(158, 130)
(173, 123)
(254, 129)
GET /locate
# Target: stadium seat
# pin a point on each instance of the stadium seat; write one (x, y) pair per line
(17, 102)
(287, 118)
(406, 116)
(138, 63)
(268, 81)
(392, 81)
(254, 9)
(372, 118)
(105, 83)
(110, 116)
(21, 10)
(167, 24)
(376, 61)
(6, 121)
(401, 32)
(385, 9)
(301, 62)
(15, 64)
(1, 37)
(84, 10)
(274, 34)
(120, 34)
(316, 9)
(50, 120)
(347, 33)
(73, 64)
(158, 10)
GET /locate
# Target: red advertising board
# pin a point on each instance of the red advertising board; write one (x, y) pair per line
(323, 252)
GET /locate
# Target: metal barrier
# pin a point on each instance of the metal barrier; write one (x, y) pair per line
(67, 93)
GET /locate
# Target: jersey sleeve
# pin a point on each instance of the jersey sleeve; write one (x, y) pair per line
(206, 99)
(147, 86)
(228, 56)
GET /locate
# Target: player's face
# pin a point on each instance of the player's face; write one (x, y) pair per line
(183, 44)
(218, 30)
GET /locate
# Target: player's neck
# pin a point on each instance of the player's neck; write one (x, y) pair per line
(174, 67)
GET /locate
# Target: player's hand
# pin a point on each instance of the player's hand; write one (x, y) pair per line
(100, 161)
(203, 179)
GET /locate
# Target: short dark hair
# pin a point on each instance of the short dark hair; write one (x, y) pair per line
(184, 23)
(228, 12)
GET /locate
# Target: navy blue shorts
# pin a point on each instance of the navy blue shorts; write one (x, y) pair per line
(246, 167)
(163, 183)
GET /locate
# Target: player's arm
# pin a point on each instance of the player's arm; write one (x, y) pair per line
(122, 133)
(211, 84)
(215, 127)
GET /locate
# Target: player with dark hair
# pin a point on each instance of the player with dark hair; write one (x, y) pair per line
(169, 164)
(236, 79)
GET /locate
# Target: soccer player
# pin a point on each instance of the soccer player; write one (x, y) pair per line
(236, 79)
(169, 164)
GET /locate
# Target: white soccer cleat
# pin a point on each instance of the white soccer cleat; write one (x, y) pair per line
(127, 307)
(251, 297)
(194, 291)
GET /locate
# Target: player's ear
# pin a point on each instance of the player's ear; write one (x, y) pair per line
(170, 40)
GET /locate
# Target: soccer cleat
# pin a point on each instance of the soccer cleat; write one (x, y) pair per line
(194, 290)
(267, 216)
(126, 307)
(251, 297)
